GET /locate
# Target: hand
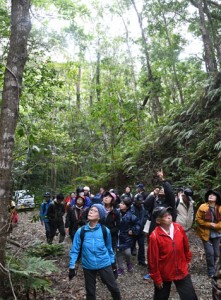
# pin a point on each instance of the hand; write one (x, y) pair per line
(213, 225)
(72, 273)
(115, 274)
(159, 286)
(130, 232)
(160, 174)
(114, 268)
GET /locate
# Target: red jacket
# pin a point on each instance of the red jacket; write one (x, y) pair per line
(168, 259)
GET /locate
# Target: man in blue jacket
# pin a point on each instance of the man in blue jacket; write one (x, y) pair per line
(97, 254)
(43, 214)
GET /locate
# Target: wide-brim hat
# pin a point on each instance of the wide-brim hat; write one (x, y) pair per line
(217, 194)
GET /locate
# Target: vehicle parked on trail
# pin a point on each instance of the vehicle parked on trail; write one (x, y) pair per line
(24, 200)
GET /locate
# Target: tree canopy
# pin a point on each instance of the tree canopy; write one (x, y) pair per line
(113, 91)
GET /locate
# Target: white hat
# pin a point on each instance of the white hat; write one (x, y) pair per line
(13, 204)
(86, 188)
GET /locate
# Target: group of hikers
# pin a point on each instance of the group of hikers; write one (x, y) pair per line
(106, 230)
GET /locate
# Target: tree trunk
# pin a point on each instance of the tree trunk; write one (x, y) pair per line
(176, 79)
(17, 56)
(78, 90)
(208, 46)
(155, 101)
(98, 87)
(215, 36)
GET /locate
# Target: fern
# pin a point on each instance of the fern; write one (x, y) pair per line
(218, 146)
(44, 250)
(30, 273)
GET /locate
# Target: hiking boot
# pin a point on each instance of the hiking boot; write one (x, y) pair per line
(120, 272)
(129, 267)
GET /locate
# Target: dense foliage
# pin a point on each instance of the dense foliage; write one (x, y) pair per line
(108, 104)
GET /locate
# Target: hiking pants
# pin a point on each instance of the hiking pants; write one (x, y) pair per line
(141, 252)
(47, 230)
(211, 248)
(120, 257)
(54, 226)
(107, 277)
(184, 288)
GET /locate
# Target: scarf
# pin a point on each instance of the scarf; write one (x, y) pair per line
(209, 215)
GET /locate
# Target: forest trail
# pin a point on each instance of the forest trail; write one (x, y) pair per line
(132, 285)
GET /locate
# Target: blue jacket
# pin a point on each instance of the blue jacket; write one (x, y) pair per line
(128, 222)
(96, 254)
(44, 210)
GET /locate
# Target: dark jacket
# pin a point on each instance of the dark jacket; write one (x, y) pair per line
(75, 218)
(56, 212)
(141, 214)
(112, 222)
(128, 222)
(168, 200)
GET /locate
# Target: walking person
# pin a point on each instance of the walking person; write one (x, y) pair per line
(169, 257)
(97, 254)
(208, 219)
(56, 211)
(43, 214)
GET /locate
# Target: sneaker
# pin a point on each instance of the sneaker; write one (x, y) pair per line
(129, 267)
(120, 272)
(147, 277)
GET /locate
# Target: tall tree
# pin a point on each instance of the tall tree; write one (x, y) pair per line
(17, 56)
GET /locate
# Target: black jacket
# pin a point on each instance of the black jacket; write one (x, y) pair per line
(56, 212)
(168, 200)
(75, 218)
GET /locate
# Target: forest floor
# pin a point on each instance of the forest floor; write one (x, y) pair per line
(132, 285)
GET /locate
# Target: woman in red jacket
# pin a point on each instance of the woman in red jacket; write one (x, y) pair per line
(169, 257)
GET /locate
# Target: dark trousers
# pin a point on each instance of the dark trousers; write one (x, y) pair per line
(184, 288)
(54, 226)
(141, 251)
(107, 277)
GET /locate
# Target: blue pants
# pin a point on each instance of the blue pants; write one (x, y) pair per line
(211, 248)
(47, 230)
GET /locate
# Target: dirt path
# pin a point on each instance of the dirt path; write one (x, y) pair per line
(132, 285)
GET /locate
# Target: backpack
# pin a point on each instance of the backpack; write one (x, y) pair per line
(82, 234)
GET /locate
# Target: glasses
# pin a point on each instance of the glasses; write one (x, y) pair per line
(94, 210)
